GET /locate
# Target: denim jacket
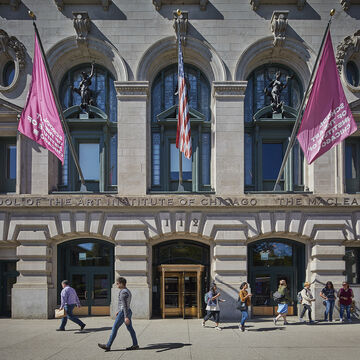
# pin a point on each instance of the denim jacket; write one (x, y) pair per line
(210, 301)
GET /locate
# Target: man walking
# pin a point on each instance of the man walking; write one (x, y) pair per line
(123, 315)
(69, 300)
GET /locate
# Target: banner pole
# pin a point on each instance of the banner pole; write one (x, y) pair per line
(57, 101)
(300, 113)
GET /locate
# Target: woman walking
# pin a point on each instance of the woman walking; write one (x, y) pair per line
(284, 302)
(329, 295)
(307, 299)
(245, 299)
(345, 297)
(212, 307)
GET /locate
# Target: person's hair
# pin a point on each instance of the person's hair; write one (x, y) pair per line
(212, 288)
(282, 281)
(121, 280)
(65, 282)
(331, 284)
(242, 285)
(306, 283)
(345, 283)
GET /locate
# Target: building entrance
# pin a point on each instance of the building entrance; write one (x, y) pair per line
(8, 275)
(270, 261)
(180, 278)
(89, 266)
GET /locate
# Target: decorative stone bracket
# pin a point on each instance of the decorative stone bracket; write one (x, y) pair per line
(60, 4)
(347, 47)
(159, 3)
(279, 24)
(347, 3)
(255, 4)
(11, 42)
(82, 25)
(181, 21)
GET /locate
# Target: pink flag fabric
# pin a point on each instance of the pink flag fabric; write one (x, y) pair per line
(327, 118)
(40, 119)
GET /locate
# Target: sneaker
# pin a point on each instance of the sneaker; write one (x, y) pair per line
(103, 346)
(243, 328)
(218, 328)
(274, 320)
(301, 320)
(341, 320)
(349, 320)
(203, 323)
(286, 323)
(60, 329)
(133, 347)
(82, 327)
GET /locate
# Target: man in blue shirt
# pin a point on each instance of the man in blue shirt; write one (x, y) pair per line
(69, 300)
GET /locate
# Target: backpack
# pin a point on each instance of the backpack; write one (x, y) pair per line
(206, 298)
(277, 296)
(299, 297)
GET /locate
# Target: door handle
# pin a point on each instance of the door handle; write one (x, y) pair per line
(85, 295)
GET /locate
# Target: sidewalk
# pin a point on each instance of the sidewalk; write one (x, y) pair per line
(179, 339)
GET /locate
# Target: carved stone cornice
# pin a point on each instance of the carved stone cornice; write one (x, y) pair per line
(181, 22)
(348, 46)
(229, 89)
(127, 90)
(255, 4)
(60, 4)
(279, 24)
(82, 25)
(11, 42)
(159, 3)
(347, 3)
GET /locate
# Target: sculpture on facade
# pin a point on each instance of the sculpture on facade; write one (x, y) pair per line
(274, 89)
(84, 89)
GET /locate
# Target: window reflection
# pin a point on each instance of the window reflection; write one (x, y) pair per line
(272, 254)
(90, 254)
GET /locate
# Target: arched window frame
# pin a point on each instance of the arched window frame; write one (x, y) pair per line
(163, 131)
(261, 128)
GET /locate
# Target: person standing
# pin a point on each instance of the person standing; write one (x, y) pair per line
(69, 300)
(307, 299)
(245, 298)
(329, 295)
(284, 302)
(212, 307)
(345, 297)
(123, 315)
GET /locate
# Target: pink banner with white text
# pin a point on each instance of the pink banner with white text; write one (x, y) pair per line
(40, 119)
(327, 119)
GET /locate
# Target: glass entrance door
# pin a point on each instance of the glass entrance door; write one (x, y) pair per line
(8, 275)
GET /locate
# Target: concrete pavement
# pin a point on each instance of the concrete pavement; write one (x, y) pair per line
(179, 339)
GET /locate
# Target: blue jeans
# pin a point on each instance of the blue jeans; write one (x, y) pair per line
(69, 315)
(118, 322)
(347, 307)
(329, 309)
(244, 316)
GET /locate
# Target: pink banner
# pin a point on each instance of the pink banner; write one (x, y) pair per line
(40, 119)
(327, 118)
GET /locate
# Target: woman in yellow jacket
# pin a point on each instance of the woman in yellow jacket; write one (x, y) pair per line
(245, 298)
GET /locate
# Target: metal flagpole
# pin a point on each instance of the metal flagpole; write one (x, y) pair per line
(180, 186)
(300, 113)
(57, 101)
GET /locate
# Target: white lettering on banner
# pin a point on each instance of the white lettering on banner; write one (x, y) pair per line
(335, 124)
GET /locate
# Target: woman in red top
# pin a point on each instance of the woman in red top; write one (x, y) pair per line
(345, 297)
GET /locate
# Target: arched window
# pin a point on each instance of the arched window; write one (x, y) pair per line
(267, 134)
(165, 157)
(94, 133)
(8, 73)
(352, 73)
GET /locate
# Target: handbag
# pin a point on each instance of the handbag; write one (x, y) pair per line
(60, 313)
(241, 305)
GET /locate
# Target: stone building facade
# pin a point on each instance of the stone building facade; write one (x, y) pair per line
(132, 220)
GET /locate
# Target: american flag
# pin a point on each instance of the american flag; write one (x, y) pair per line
(183, 134)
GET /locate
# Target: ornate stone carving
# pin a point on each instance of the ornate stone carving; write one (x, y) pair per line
(181, 25)
(349, 45)
(11, 42)
(347, 3)
(13, 3)
(279, 24)
(255, 4)
(82, 25)
(61, 3)
(159, 3)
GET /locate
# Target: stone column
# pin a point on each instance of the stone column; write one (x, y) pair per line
(132, 136)
(327, 264)
(229, 136)
(230, 268)
(30, 294)
(131, 262)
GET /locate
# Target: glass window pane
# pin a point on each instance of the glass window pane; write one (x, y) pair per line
(174, 164)
(112, 101)
(11, 161)
(205, 159)
(297, 164)
(260, 95)
(8, 73)
(90, 254)
(205, 99)
(156, 159)
(352, 73)
(272, 155)
(249, 100)
(350, 161)
(89, 157)
(249, 179)
(156, 99)
(352, 265)
(113, 161)
(272, 253)
(170, 86)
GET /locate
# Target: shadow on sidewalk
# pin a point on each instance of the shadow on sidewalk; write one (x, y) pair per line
(161, 347)
(268, 329)
(88, 330)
